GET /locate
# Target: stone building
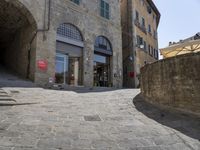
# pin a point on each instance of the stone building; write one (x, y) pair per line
(72, 42)
(140, 19)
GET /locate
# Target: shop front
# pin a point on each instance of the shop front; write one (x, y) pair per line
(69, 55)
(102, 59)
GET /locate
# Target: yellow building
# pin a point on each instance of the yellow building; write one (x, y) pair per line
(140, 19)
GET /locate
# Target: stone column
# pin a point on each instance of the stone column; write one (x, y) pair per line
(76, 71)
(88, 75)
(45, 51)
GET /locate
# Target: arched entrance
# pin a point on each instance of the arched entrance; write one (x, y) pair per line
(17, 46)
(69, 55)
(102, 58)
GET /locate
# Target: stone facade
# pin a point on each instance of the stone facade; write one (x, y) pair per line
(42, 44)
(140, 45)
(173, 82)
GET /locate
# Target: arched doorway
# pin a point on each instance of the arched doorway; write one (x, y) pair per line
(102, 58)
(69, 55)
(17, 27)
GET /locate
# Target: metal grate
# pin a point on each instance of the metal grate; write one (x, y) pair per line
(92, 118)
(69, 31)
(103, 43)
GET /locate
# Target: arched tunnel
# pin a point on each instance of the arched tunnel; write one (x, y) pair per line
(17, 39)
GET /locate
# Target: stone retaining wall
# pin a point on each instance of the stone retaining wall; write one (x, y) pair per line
(173, 82)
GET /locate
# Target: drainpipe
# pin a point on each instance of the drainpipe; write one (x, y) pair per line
(39, 30)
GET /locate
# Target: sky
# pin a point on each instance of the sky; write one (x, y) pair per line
(180, 19)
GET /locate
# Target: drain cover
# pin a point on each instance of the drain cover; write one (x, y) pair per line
(14, 92)
(4, 95)
(7, 99)
(92, 118)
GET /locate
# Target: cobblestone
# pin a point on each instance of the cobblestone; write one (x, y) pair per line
(98, 119)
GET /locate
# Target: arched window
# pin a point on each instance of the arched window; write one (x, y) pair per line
(69, 31)
(103, 45)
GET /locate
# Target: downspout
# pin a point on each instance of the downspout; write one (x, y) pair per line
(36, 32)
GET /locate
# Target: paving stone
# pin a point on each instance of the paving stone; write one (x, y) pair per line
(57, 143)
(167, 140)
(85, 120)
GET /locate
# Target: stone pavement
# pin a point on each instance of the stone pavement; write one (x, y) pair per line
(43, 119)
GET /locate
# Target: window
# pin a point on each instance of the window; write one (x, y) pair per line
(149, 28)
(102, 43)
(139, 40)
(155, 34)
(149, 10)
(154, 53)
(76, 1)
(143, 22)
(145, 45)
(136, 15)
(69, 31)
(149, 49)
(104, 9)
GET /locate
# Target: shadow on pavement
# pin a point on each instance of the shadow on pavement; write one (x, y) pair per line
(184, 123)
(16, 104)
(90, 90)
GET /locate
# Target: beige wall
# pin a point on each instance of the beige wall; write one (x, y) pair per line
(129, 38)
(149, 38)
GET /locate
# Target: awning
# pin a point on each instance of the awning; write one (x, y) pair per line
(181, 48)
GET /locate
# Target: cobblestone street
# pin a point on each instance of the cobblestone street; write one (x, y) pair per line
(42, 119)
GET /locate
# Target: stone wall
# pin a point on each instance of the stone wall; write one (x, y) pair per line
(16, 56)
(173, 82)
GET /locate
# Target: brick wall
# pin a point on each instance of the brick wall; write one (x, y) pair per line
(173, 82)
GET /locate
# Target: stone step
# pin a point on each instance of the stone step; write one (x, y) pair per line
(7, 99)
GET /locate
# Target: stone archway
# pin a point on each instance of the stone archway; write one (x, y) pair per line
(17, 43)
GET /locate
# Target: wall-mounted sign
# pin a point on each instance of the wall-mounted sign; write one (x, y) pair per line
(42, 65)
(131, 74)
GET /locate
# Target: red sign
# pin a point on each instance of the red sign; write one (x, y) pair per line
(42, 65)
(131, 74)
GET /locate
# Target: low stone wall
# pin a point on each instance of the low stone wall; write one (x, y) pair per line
(173, 82)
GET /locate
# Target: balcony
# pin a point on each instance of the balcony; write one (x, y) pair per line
(141, 27)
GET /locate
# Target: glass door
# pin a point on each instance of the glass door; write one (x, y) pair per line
(62, 68)
(101, 70)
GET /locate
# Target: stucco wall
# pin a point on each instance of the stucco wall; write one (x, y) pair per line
(173, 82)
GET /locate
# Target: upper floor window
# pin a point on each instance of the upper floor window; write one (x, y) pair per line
(143, 22)
(149, 28)
(145, 45)
(103, 43)
(149, 10)
(76, 1)
(104, 9)
(103, 46)
(155, 34)
(149, 49)
(139, 40)
(69, 31)
(136, 15)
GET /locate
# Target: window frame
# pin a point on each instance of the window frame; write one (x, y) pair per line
(77, 2)
(105, 9)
